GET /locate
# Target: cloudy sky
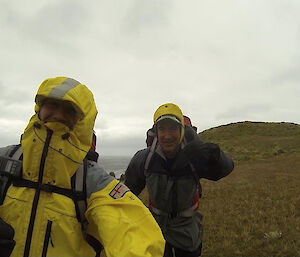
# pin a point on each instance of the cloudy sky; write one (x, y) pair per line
(220, 61)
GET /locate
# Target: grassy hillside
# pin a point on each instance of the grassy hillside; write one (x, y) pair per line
(255, 211)
(255, 140)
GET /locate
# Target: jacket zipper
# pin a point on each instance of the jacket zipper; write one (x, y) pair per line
(47, 238)
(37, 194)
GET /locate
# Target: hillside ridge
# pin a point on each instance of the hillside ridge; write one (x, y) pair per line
(249, 140)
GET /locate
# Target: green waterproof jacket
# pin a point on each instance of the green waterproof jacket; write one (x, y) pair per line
(173, 186)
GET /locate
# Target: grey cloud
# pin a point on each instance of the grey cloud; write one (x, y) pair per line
(10, 131)
(15, 94)
(244, 112)
(219, 61)
(15, 102)
(7, 139)
(16, 111)
(289, 75)
(145, 15)
(56, 25)
(59, 21)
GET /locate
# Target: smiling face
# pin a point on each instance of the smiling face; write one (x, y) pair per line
(168, 136)
(59, 111)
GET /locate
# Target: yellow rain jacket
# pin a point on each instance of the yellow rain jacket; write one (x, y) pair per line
(45, 223)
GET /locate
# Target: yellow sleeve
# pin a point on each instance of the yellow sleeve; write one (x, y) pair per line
(122, 223)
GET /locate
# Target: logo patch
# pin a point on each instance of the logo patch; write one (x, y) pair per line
(118, 191)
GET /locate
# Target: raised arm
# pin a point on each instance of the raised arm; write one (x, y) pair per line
(209, 160)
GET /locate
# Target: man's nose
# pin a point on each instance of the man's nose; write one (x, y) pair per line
(59, 113)
(167, 134)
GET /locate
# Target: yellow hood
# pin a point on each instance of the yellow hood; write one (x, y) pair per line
(67, 148)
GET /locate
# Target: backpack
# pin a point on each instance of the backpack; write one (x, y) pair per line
(11, 174)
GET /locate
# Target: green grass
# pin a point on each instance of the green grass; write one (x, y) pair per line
(255, 211)
(258, 198)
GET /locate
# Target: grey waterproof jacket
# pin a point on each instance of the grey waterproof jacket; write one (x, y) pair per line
(172, 186)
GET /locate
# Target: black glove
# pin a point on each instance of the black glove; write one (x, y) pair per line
(202, 154)
(7, 243)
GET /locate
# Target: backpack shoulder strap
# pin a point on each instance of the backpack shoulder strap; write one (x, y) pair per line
(78, 183)
(150, 154)
(16, 153)
(197, 179)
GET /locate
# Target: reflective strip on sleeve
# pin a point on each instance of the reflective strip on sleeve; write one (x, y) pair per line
(79, 178)
(60, 90)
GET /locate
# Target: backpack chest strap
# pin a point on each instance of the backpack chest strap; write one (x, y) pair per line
(74, 195)
(189, 212)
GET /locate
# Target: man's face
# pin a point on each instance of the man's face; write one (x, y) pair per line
(168, 135)
(59, 111)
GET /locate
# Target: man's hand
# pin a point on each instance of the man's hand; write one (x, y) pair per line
(202, 154)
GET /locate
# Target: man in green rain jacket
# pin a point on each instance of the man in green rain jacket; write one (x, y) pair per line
(39, 205)
(171, 168)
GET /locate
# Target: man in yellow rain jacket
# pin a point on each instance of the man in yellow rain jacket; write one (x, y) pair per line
(40, 203)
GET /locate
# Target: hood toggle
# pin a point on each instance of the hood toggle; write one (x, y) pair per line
(37, 125)
(65, 136)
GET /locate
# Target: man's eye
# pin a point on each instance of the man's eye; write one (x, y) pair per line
(52, 105)
(70, 109)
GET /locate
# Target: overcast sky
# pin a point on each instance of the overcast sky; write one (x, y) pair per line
(220, 61)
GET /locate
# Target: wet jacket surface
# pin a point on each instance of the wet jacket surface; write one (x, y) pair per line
(172, 186)
(45, 223)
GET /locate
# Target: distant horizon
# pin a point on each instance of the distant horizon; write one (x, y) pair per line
(118, 155)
